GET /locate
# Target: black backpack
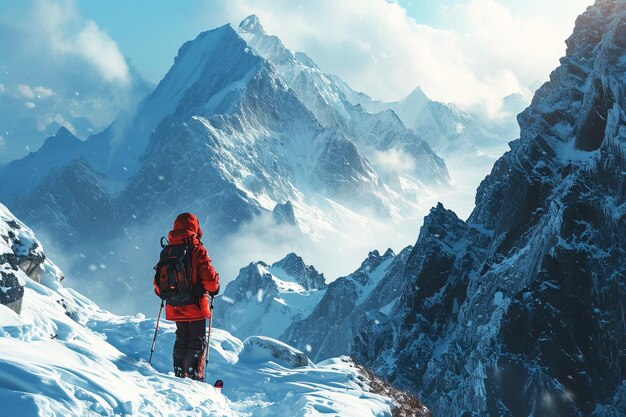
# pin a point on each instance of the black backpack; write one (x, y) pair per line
(173, 275)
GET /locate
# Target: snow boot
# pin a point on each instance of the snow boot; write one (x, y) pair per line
(195, 364)
(180, 366)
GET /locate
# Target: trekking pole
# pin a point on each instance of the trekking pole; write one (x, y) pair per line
(208, 339)
(155, 332)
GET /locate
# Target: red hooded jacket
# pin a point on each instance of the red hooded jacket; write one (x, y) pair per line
(187, 230)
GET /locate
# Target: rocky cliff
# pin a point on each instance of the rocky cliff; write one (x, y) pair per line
(21, 258)
(519, 310)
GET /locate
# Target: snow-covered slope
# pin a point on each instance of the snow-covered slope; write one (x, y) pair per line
(63, 355)
(266, 299)
(519, 310)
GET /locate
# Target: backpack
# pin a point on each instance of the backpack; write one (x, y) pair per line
(173, 275)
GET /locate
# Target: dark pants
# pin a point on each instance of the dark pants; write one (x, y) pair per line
(189, 349)
(190, 335)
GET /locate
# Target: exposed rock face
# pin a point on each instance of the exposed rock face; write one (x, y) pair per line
(306, 275)
(21, 258)
(519, 310)
(283, 214)
(330, 328)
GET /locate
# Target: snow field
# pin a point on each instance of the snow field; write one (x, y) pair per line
(65, 356)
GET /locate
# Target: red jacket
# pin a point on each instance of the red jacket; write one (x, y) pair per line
(187, 230)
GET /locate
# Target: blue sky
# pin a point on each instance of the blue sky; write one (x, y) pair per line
(169, 23)
(78, 62)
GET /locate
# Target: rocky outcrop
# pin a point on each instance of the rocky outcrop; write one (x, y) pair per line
(21, 258)
(264, 349)
(518, 311)
(306, 275)
(283, 214)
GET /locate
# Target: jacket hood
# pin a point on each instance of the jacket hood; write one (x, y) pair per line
(186, 229)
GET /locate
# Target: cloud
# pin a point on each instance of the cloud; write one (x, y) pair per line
(394, 160)
(43, 92)
(2, 142)
(484, 53)
(57, 119)
(260, 239)
(2, 89)
(59, 68)
(100, 50)
(69, 34)
(25, 91)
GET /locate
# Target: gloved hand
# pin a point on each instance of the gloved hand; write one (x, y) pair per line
(214, 293)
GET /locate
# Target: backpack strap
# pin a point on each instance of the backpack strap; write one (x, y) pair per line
(189, 266)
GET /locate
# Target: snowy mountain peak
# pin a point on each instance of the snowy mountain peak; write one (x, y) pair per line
(331, 327)
(374, 259)
(64, 133)
(256, 126)
(306, 275)
(266, 299)
(305, 60)
(417, 96)
(252, 24)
